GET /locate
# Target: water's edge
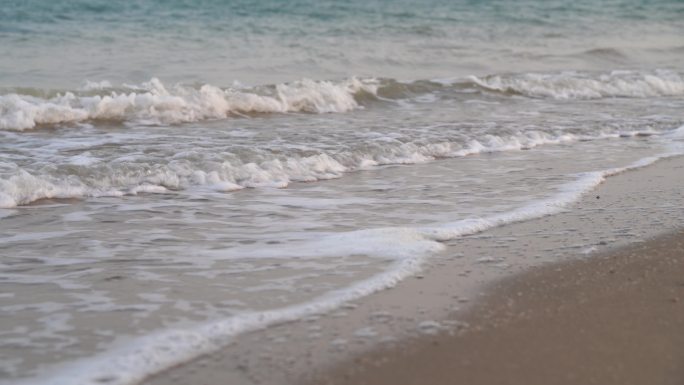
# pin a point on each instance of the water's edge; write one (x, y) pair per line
(225, 331)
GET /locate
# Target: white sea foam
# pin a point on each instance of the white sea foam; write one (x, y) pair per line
(154, 103)
(92, 86)
(132, 361)
(20, 187)
(678, 133)
(576, 85)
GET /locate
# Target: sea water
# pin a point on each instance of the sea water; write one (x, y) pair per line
(174, 174)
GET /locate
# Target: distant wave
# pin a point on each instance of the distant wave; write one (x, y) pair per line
(577, 85)
(153, 103)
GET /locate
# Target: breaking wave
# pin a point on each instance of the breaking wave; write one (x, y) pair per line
(576, 85)
(152, 103)
(20, 187)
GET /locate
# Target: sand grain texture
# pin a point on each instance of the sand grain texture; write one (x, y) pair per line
(616, 318)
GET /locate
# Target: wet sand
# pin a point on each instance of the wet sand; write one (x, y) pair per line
(580, 287)
(615, 318)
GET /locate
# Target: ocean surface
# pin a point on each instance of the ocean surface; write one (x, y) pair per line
(175, 173)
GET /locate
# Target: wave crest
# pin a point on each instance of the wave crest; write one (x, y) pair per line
(21, 187)
(153, 103)
(575, 85)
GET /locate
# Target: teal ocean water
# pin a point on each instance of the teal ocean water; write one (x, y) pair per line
(62, 43)
(174, 174)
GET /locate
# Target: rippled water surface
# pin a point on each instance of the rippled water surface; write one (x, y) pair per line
(173, 174)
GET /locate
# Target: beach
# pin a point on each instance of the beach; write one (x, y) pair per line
(597, 300)
(268, 192)
(615, 318)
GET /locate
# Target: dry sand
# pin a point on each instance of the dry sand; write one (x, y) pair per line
(617, 318)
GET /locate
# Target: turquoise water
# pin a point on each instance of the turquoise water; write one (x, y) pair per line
(61, 43)
(176, 173)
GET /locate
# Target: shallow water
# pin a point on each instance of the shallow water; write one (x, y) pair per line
(144, 222)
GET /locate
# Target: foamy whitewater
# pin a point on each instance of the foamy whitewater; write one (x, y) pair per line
(173, 176)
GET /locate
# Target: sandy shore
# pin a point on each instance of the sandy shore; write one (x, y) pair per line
(549, 298)
(616, 318)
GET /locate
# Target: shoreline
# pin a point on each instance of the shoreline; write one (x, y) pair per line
(614, 318)
(631, 206)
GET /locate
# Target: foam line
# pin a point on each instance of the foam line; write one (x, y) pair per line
(132, 361)
(21, 187)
